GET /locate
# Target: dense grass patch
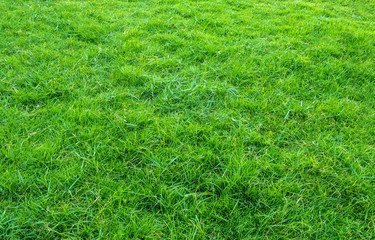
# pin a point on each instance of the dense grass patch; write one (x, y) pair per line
(227, 119)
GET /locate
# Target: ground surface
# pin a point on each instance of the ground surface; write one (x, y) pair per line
(187, 119)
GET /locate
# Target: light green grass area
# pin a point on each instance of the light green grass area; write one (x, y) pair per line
(214, 119)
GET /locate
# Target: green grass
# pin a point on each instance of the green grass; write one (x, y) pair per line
(215, 119)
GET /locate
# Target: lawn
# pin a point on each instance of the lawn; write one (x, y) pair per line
(195, 119)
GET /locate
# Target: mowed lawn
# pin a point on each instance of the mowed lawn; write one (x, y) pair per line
(195, 119)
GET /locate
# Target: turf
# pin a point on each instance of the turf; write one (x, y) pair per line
(212, 119)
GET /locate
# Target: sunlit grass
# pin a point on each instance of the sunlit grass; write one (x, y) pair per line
(187, 119)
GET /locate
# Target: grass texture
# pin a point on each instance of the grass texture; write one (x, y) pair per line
(195, 119)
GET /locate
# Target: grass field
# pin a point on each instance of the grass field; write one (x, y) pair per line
(214, 119)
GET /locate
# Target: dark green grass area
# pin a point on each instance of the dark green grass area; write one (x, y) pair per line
(215, 119)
